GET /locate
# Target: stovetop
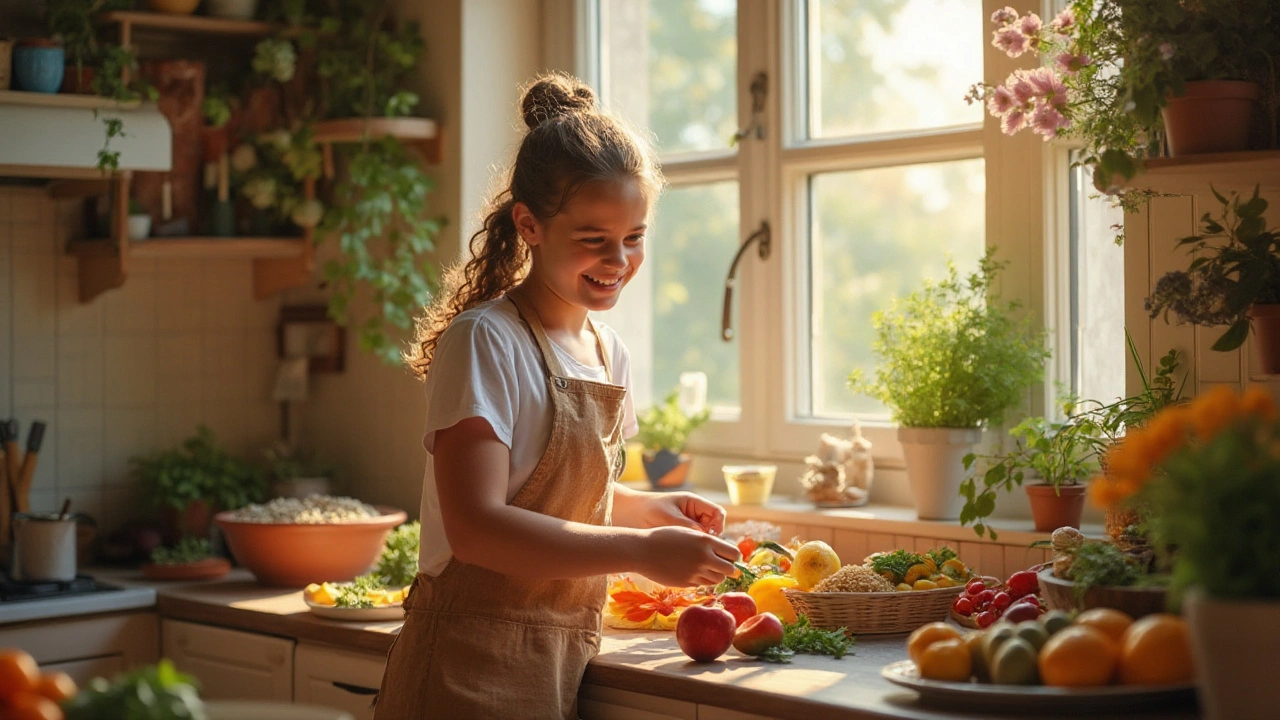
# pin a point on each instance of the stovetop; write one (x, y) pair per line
(17, 590)
(20, 601)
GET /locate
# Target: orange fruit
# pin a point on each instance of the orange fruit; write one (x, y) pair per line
(946, 660)
(57, 686)
(18, 673)
(926, 635)
(1109, 620)
(29, 706)
(1156, 650)
(1078, 656)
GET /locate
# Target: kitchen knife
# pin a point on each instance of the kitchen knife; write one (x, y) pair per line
(34, 438)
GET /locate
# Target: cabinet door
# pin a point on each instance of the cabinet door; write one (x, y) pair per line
(230, 664)
(339, 679)
(82, 671)
(602, 703)
(88, 646)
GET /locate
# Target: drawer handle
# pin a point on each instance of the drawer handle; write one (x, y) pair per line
(355, 689)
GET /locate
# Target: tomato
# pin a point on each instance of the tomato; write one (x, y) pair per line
(1001, 600)
(746, 546)
(964, 606)
(1023, 582)
(975, 586)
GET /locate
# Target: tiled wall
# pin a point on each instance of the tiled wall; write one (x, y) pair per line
(183, 342)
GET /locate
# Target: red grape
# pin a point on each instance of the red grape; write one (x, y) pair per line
(985, 619)
(975, 586)
(986, 596)
(1001, 600)
(1023, 582)
(964, 606)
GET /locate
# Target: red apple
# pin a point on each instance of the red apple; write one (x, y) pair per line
(740, 605)
(758, 633)
(1022, 611)
(704, 632)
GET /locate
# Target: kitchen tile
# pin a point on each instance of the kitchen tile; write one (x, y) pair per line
(74, 317)
(83, 500)
(244, 428)
(130, 362)
(34, 356)
(263, 314)
(81, 371)
(225, 367)
(35, 295)
(131, 308)
(80, 435)
(227, 293)
(28, 393)
(179, 367)
(121, 504)
(180, 296)
(260, 364)
(177, 421)
(129, 431)
(45, 501)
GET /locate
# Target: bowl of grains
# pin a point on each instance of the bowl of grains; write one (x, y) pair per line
(291, 542)
(862, 602)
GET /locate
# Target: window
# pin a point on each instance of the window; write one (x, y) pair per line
(871, 171)
(1098, 349)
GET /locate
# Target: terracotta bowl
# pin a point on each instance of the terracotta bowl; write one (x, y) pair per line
(1059, 594)
(295, 554)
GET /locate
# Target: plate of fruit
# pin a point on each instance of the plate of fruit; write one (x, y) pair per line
(356, 601)
(986, 600)
(1101, 660)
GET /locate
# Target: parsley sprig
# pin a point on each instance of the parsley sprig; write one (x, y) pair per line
(801, 637)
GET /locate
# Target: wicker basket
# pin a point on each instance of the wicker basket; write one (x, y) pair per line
(874, 613)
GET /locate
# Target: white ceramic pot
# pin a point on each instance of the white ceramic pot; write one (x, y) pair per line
(302, 488)
(1234, 644)
(237, 9)
(139, 227)
(935, 468)
(245, 710)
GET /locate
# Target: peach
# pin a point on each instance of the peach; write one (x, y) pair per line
(758, 634)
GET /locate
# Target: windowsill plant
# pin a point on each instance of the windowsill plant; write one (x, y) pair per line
(664, 432)
(954, 358)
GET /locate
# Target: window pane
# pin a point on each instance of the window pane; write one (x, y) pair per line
(672, 65)
(669, 315)
(892, 65)
(1099, 355)
(875, 234)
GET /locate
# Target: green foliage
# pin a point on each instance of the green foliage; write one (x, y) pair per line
(398, 564)
(801, 637)
(1236, 263)
(363, 60)
(216, 106)
(198, 470)
(666, 427)
(896, 563)
(271, 169)
(286, 463)
(188, 550)
(1217, 504)
(72, 21)
(356, 593)
(157, 692)
(952, 354)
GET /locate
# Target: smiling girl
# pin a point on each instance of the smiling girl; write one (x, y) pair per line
(527, 410)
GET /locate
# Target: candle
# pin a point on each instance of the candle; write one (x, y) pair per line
(166, 200)
(693, 392)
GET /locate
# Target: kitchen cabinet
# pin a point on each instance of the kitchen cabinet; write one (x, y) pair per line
(230, 664)
(85, 648)
(603, 703)
(339, 679)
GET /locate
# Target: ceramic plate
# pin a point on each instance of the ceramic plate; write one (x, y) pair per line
(1038, 699)
(389, 612)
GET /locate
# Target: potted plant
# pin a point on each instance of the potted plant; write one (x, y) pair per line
(1208, 470)
(1233, 279)
(193, 481)
(235, 9)
(192, 558)
(664, 432)
(271, 170)
(954, 358)
(139, 221)
(296, 473)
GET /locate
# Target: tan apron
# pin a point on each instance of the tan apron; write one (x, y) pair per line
(479, 644)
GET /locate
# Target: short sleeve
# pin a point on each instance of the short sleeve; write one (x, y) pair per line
(473, 374)
(622, 376)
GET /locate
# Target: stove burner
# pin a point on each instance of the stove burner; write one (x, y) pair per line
(16, 590)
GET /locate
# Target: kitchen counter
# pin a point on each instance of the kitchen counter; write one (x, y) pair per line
(642, 662)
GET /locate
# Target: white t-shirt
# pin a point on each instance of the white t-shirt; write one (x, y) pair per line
(487, 365)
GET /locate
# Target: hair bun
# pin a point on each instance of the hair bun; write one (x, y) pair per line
(554, 95)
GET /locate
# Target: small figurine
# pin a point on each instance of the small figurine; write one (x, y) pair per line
(840, 474)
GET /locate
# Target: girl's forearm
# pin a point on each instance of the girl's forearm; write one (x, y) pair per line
(626, 506)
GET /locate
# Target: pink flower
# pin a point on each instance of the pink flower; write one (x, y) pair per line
(1166, 51)
(1047, 85)
(1011, 40)
(1030, 25)
(1023, 90)
(1063, 22)
(1013, 121)
(1047, 121)
(1004, 16)
(1072, 63)
(1001, 100)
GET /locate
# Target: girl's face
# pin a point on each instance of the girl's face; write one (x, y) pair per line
(588, 252)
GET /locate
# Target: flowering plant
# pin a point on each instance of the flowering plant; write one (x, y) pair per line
(1207, 471)
(271, 169)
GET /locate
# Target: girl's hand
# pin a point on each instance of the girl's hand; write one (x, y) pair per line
(685, 557)
(681, 509)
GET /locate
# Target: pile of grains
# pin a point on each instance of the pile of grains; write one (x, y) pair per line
(315, 510)
(854, 578)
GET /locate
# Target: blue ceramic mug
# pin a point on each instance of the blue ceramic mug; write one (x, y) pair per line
(38, 68)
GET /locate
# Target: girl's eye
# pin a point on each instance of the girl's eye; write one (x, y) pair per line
(636, 239)
(593, 240)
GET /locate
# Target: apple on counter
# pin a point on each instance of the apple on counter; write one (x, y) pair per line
(741, 605)
(758, 634)
(705, 632)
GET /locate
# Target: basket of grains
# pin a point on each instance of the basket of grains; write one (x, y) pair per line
(292, 543)
(865, 602)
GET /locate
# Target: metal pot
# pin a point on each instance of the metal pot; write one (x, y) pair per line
(44, 547)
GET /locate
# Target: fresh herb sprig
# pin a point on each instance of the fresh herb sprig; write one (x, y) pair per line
(398, 563)
(801, 637)
(356, 595)
(897, 563)
(188, 550)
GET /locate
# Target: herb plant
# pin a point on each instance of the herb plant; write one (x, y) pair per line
(398, 564)
(356, 593)
(157, 692)
(801, 637)
(199, 470)
(188, 550)
(666, 426)
(1101, 564)
(896, 563)
(953, 354)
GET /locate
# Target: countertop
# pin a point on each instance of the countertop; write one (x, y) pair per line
(644, 662)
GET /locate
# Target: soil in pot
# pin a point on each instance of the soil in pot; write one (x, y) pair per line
(1052, 509)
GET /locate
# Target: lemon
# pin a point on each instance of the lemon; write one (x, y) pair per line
(764, 556)
(767, 592)
(814, 562)
(321, 594)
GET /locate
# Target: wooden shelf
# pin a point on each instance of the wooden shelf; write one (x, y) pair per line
(1195, 174)
(66, 100)
(194, 247)
(421, 132)
(196, 24)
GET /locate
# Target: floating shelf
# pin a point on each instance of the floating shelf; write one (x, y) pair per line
(194, 247)
(67, 100)
(1195, 174)
(421, 132)
(129, 20)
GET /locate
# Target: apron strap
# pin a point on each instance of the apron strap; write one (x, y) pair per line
(530, 317)
(604, 353)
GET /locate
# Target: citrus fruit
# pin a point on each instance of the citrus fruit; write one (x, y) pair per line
(977, 656)
(1014, 663)
(995, 637)
(1079, 656)
(946, 660)
(926, 635)
(57, 686)
(29, 706)
(767, 592)
(1156, 650)
(814, 562)
(18, 673)
(1109, 620)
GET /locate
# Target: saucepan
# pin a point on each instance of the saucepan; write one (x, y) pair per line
(44, 547)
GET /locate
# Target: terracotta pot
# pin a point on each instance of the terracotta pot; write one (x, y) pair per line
(666, 470)
(206, 569)
(935, 468)
(1210, 116)
(192, 521)
(175, 7)
(1234, 644)
(1265, 321)
(77, 82)
(1052, 509)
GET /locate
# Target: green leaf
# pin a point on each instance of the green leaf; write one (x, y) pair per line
(1234, 337)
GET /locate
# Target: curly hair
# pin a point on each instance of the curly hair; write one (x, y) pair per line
(569, 144)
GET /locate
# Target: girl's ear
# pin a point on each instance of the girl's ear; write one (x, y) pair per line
(526, 224)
